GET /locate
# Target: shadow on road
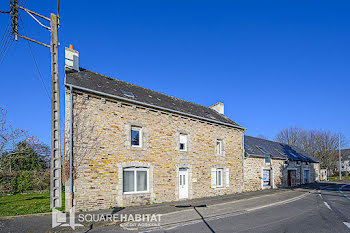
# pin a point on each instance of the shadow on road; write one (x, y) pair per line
(195, 208)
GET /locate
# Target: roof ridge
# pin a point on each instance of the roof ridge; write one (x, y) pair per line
(268, 140)
(152, 90)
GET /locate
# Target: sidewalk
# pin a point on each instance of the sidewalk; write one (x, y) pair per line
(220, 205)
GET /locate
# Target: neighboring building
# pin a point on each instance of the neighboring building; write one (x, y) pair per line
(323, 175)
(269, 164)
(132, 146)
(345, 155)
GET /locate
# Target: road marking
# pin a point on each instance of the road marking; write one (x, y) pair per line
(220, 216)
(347, 224)
(344, 195)
(320, 195)
(327, 205)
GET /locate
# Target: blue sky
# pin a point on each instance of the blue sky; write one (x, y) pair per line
(272, 63)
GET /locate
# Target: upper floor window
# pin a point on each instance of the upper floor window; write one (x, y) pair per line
(183, 142)
(297, 163)
(136, 139)
(219, 146)
(267, 159)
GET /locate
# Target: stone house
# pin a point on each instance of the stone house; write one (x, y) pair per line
(127, 145)
(269, 164)
(345, 163)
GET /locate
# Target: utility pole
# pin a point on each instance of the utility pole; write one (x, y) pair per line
(55, 168)
(339, 160)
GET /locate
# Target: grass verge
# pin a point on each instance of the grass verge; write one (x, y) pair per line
(335, 178)
(21, 204)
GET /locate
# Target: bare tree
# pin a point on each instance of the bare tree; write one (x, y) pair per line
(321, 144)
(9, 136)
(85, 136)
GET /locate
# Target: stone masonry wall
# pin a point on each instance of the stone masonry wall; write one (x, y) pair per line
(313, 172)
(253, 168)
(102, 148)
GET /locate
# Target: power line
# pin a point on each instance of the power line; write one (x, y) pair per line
(35, 62)
(5, 12)
(6, 42)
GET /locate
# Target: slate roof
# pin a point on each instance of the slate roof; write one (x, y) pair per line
(110, 86)
(345, 153)
(275, 150)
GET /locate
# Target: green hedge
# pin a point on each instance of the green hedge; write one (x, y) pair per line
(24, 181)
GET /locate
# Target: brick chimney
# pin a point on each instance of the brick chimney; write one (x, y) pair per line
(219, 107)
(71, 58)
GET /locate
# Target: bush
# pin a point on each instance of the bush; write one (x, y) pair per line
(24, 181)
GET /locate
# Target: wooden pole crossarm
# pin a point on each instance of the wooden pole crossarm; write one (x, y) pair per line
(48, 28)
(34, 13)
(24, 37)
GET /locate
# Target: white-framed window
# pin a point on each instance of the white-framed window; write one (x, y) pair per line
(219, 146)
(135, 180)
(217, 177)
(306, 176)
(306, 163)
(136, 136)
(297, 163)
(183, 142)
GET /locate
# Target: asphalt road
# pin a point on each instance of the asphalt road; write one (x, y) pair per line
(326, 210)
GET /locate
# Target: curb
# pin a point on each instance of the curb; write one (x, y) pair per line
(223, 215)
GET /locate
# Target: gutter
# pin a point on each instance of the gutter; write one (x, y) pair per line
(153, 106)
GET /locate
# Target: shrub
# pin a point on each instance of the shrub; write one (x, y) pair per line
(24, 181)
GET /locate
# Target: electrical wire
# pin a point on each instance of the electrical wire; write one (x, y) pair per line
(5, 12)
(34, 59)
(5, 43)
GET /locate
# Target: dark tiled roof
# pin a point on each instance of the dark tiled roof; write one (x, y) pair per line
(275, 150)
(345, 153)
(110, 86)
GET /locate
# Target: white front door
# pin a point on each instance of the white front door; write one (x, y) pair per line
(183, 183)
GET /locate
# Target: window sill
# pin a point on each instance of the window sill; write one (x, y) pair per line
(137, 193)
(136, 148)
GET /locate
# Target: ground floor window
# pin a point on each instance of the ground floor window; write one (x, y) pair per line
(135, 179)
(306, 176)
(266, 178)
(217, 179)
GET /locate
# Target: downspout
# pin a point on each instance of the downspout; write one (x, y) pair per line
(283, 171)
(71, 146)
(301, 166)
(243, 152)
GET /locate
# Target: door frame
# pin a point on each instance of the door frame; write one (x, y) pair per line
(272, 184)
(185, 172)
(291, 169)
(308, 175)
(189, 173)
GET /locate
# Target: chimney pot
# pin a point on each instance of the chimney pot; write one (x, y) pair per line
(71, 46)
